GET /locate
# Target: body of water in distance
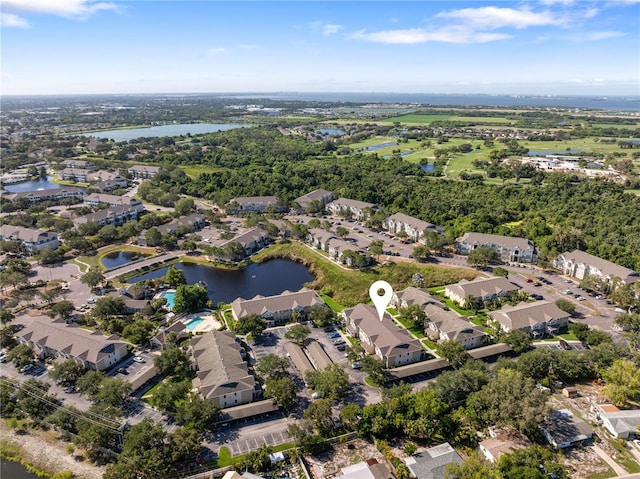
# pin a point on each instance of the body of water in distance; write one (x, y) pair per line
(166, 130)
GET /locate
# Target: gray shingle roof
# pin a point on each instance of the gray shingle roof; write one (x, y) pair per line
(287, 301)
(387, 337)
(430, 464)
(606, 267)
(483, 239)
(451, 324)
(71, 339)
(19, 233)
(528, 314)
(315, 195)
(481, 287)
(221, 369)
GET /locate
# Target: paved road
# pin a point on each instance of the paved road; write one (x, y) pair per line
(620, 471)
(129, 267)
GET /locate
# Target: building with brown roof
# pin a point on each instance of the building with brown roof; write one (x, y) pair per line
(508, 248)
(279, 308)
(392, 345)
(56, 339)
(442, 325)
(505, 442)
(222, 375)
(413, 227)
(479, 289)
(579, 264)
(538, 319)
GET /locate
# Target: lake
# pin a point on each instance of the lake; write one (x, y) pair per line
(35, 185)
(330, 131)
(267, 279)
(166, 130)
(118, 258)
(15, 470)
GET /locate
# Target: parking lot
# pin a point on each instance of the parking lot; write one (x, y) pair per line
(243, 446)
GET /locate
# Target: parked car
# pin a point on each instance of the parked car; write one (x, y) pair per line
(122, 371)
(341, 347)
(537, 283)
(537, 296)
(139, 359)
(356, 365)
(529, 280)
(637, 443)
(569, 292)
(317, 395)
(564, 344)
(3, 358)
(328, 329)
(91, 300)
(26, 368)
(339, 341)
(580, 298)
(334, 335)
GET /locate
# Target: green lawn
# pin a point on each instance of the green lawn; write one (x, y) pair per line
(419, 332)
(331, 303)
(350, 287)
(416, 119)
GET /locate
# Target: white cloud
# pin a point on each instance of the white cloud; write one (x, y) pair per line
(555, 2)
(212, 52)
(497, 17)
(604, 35)
(453, 34)
(65, 8)
(10, 20)
(330, 29)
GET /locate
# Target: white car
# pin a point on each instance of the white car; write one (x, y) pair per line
(91, 300)
(637, 443)
(138, 359)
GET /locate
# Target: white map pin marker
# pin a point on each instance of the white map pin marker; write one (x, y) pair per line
(381, 302)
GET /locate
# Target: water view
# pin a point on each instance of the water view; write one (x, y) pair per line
(428, 167)
(267, 279)
(15, 470)
(166, 130)
(34, 185)
(118, 258)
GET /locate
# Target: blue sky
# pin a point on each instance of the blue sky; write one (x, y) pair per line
(543, 47)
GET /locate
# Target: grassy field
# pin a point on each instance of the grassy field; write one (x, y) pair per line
(349, 287)
(416, 119)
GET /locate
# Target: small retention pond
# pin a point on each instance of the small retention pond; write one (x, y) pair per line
(118, 258)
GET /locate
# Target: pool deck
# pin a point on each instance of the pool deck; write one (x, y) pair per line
(209, 322)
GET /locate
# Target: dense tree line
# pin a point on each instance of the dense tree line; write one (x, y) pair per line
(559, 215)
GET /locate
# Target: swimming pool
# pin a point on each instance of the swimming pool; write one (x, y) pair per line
(169, 296)
(193, 323)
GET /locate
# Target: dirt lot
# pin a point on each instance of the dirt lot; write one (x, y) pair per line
(584, 462)
(329, 464)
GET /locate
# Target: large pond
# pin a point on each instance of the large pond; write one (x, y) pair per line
(267, 279)
(35, 185)
(166, 130)
(118, 258)
(15, 470)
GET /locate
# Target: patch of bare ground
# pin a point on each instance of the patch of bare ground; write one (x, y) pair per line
(44, 450)
(329, 464)
(584, 463)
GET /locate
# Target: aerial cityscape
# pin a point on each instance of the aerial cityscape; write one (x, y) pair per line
(320, 240)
